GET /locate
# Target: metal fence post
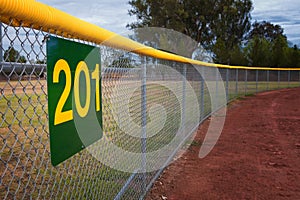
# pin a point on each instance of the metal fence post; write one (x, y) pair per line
(256, 80)
(268, 79)
(289, 78)
(246, 80)
(278, 79)
(217, 89)
(202, 93)
(237, 82)
(144, 124)
(299, 77)
(227, 84)
(183, 98)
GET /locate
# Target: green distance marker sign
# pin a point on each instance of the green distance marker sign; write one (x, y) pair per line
(74, 97)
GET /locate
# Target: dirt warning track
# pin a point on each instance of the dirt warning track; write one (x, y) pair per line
(256, 157)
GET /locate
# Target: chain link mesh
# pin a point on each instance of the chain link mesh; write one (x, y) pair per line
(25, 167)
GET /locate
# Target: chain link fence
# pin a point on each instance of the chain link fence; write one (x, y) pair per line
(26, 171)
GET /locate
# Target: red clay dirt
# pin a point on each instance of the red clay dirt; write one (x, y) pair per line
(256, 157)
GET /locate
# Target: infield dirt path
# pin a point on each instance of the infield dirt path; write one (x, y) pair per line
(256, 157)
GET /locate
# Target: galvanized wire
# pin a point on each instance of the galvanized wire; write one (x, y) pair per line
(25, 168)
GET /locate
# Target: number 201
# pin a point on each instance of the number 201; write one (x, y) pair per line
(62, 66)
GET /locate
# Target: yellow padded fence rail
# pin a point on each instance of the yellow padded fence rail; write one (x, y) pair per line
(33, 14)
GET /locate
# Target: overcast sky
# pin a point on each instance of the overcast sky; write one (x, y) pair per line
(113, 14)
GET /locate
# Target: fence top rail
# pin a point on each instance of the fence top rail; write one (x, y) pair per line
(33, 14)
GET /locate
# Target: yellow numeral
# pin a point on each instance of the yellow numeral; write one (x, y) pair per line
(82, 67)
(95, 75)
(62, 116)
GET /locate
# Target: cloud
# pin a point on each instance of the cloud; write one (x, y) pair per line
(109, 14)
(285, 13)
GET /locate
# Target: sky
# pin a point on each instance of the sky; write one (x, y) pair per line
(113, 14)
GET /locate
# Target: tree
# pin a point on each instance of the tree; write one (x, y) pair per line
(41, 61)
(167, 40)
(279, 51)
(221, 55)
(238, 57)
(258, 52)
(164, 13)
(12, 55)
(267, 45)
(293, 57)
(205, 21)
(122, 62)
(231, 26)
(265, 30)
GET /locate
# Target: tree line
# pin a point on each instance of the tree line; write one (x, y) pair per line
(13, 55)
(222, 27)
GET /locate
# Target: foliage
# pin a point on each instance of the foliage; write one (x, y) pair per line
(122, 62)
(267, 46)
(258, 52)
(293, 55)
(231, 26)
(205, 21)
(265, 30)
(238, 57)
(41, 61)
(13, 55)
(279, 51)
(223, 27)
